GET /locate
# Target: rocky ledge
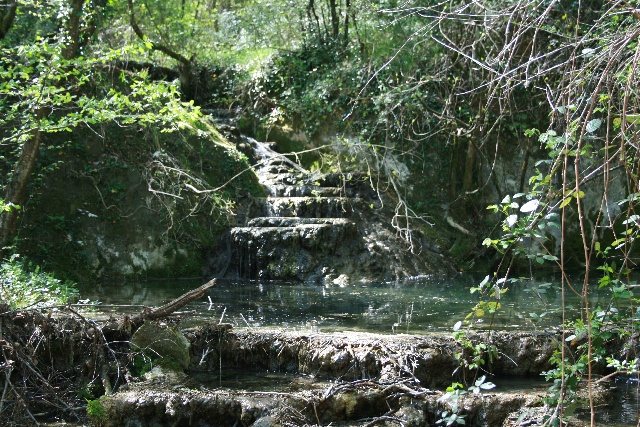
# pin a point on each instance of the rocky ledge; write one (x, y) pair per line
(338, 379)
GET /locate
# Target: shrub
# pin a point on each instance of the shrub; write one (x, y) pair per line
(22, 285)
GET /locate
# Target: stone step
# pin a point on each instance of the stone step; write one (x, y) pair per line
(275, 168)
(317, 179)
(282, 190)
(264, 240)
(275, 221)
(305, 207)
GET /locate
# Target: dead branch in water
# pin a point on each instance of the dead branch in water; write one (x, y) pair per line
(174, 305)
(122, 328)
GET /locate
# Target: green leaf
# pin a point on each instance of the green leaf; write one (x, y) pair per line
(593, 125)
(487, 242)
(566, 201)
(633, 118)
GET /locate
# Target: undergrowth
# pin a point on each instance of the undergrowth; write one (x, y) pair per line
(26, 286)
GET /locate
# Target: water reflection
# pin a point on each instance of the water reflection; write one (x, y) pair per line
(414, 306)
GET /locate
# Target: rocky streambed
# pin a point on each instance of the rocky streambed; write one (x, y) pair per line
(64, 366)
(351, 379)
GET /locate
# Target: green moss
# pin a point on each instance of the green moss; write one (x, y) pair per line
(181, 265)
(92, 187)
(287, 144)
(140, 365)
(170, 364)
(96, 412)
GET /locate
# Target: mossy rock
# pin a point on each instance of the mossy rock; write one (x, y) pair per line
(164, 343)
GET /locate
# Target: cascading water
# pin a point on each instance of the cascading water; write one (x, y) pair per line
(317, 227)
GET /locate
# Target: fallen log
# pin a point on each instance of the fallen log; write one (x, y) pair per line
(123, 327)
(172, 306)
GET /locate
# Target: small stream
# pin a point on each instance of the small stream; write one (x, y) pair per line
(414, 306)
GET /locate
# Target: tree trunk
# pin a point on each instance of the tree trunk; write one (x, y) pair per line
(469, 167)
(313, 18)
(17, 187)
(335, 24)
(188, 80)
(7, 14)
(72, 47)
(16, 190)
(453, 169)
(346, 22)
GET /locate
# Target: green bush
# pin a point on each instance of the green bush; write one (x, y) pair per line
(23, 286)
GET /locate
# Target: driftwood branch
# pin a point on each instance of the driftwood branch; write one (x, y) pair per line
(174, 305)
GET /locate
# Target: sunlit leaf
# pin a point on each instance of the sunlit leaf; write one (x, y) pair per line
(530, 206)
(633, 118)
(485, 280)
(566, 201)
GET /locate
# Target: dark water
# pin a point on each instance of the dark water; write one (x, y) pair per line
(623, 409)
(413, 306)
(255, 381)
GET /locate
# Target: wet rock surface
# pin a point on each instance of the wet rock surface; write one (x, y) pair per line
(316, 227)
(339, 379)
(349, 379)
(429, 360)
(358, 403)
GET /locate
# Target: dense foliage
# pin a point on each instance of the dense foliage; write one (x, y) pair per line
(79, 110)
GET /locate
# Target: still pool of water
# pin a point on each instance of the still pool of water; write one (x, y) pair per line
(413, 306)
